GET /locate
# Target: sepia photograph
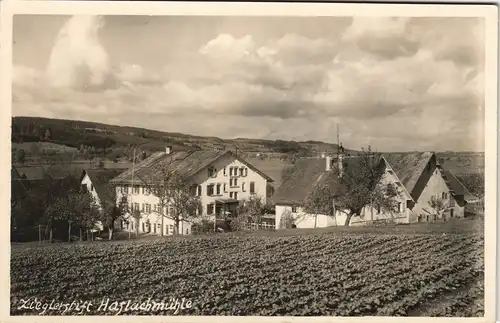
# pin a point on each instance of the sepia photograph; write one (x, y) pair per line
(237, 164)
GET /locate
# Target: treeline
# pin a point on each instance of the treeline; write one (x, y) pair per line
(32, 132)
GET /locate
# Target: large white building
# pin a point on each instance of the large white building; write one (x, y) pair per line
(220, 179)
(417, 177)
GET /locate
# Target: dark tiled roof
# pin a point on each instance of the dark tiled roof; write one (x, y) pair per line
(408, 166)
(32, 172)
(456, 186)
(187, 163)
(100, 179)
(305, 175)
(14, 174)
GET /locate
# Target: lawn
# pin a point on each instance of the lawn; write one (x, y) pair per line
(413, 270)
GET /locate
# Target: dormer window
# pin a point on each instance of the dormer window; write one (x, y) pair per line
(212, 172)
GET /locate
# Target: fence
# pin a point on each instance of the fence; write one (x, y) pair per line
(257, 226)
(43, 234)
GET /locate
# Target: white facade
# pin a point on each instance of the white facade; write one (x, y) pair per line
(226, 179)
(434, 188)
(90, 187)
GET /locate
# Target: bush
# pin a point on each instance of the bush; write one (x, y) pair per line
(239, 223)
(203, 227)
(287, 220)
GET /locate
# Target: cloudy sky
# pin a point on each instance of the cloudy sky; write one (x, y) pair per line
(394, 83)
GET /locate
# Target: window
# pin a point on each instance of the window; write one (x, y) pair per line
(155, 207)
(246, 172)
(400, 207)
(210, 209)
(427, 218)
(243, 186)
(451, 213)
(91, 187)
(148, 208)
(294, 209)
(143, 205)
(147, 191)
(224, 171)
(154, 228)
(212, 172)
(172, 229)
(225, 187)
(171, 210)
(143, 227)
(199, 190)
(435, 217)
(136, 189)
(132, 225)
(187, 231)
(218, 189)
(235, 182)
(136, 206)
(235, 195)
(231, 194)
(252, 187)
(444, 196)
(193, 189)
(241, 171)
(210, 189)
(166, 228)
(378, 209)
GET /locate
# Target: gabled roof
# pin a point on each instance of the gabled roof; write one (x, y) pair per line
(456, 186)
(14, 174)
(32, 172)
(187, 163)
(408, 167)
(309, 172)
(305, 175)
(100, 179)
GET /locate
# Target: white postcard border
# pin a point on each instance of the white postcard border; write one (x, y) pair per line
(489, 12)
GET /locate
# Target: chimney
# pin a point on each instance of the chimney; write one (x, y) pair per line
(328, 163)
(168, 149)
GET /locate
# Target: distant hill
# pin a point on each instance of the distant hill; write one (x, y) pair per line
(102, 137)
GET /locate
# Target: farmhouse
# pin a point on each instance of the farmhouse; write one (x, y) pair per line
(417, 177)
(221, 179)
(96, 182)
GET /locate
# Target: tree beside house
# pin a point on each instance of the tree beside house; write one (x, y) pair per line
(363, 188)
(173, 190)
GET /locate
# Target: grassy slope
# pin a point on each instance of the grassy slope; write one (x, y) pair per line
(72, 131)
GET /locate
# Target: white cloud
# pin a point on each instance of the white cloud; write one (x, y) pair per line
(387, 81)
(78, 59)
(375, 27)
